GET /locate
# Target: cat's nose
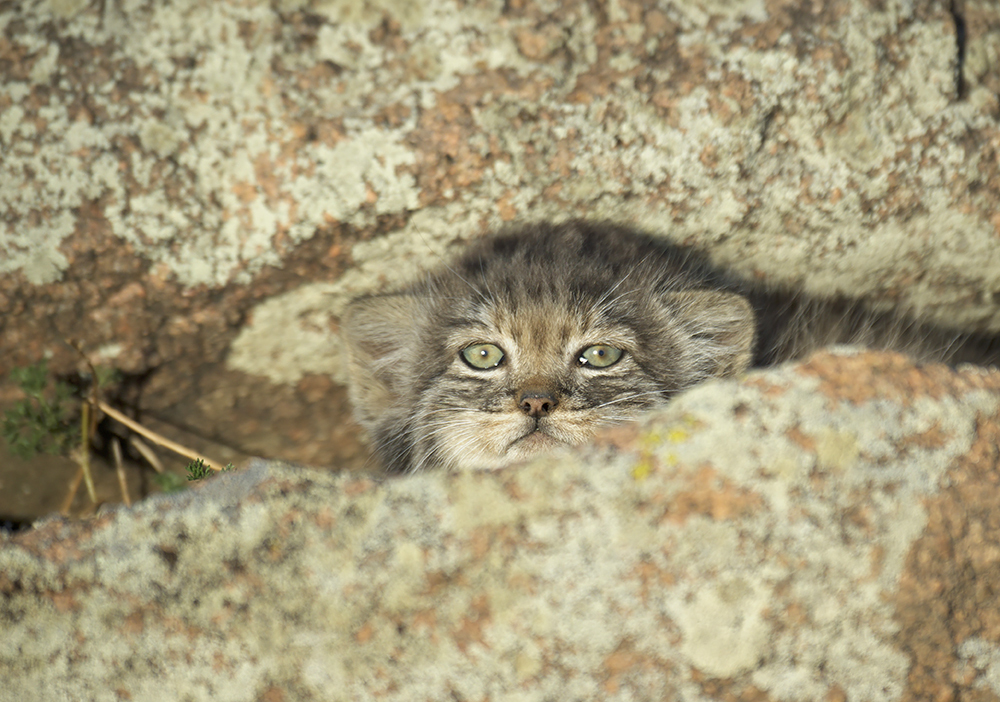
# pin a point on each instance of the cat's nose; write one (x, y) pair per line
(537, 404)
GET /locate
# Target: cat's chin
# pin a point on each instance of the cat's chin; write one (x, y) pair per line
(533, 443)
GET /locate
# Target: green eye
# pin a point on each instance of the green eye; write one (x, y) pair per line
(482, 356)
(599, 356)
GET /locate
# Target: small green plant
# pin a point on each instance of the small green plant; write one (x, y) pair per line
(43, 421)
(53, 417)
(197, 469)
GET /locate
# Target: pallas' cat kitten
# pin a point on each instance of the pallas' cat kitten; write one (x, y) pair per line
(542, 336)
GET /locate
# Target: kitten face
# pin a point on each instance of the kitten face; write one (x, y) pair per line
(537, 389)
(536, 339)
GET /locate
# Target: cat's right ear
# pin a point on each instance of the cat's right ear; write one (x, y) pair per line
(720, 329)
(381, 333)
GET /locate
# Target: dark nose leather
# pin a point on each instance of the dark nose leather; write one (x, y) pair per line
(538, 404)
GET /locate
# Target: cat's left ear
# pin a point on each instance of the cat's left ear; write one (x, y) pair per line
(381, 333)
(721, 329)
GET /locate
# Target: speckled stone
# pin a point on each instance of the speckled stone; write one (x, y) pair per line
(191, 191)
(824, 530)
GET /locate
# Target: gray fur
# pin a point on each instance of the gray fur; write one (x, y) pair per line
(543, 294)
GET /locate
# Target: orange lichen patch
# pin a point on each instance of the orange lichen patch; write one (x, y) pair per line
(877, 558)
(559, 163)
(552, 191)
(766, 33)
(179, 627)
(588, 86)
(995, 221)
(394, 115)
(622, 437)
(947, 591)
(650, 577)
(325, 518)
(796, 436)
(741, 90)
(724, 690)
(266, 179)
(723, 110)
(58, 541)
(356, 487)
(930, 439)
(709, 156)
(879, 374)
(424, 619)
(438, 582)
(365, 633)
(765, 386)
(480, 542)
(246, 192)
(505, 209)
(795, 615)
(447, 158)
(129, 294)
(64, 602)
(219, 663)
(519, 582)
(707, 493)
(15, 53)
(470, 629)
(623, 661)
(134, 623)
(539, 43)
(657, 24)
(273, 694)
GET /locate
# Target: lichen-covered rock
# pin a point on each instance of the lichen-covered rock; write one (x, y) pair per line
(825, 530)
(192, 190)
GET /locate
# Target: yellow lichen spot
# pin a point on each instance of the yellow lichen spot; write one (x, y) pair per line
(675, 436)
(642, 469)
(650, 440)
(692, 422)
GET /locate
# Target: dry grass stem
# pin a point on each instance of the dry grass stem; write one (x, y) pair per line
(147, 452)
(116, 450)
(84, 457)
(154, 437)
(74, 485)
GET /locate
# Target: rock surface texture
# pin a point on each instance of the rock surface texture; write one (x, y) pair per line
(822, 531)
(193, 190)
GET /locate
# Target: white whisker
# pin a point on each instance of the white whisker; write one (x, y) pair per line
(626, 398)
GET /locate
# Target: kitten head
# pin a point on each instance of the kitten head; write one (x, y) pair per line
(537, 338)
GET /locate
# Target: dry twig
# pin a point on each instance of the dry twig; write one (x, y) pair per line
(154, 437)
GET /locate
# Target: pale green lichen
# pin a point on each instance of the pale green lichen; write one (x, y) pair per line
(984, 657)
(858, 659)
(222, 121)
(220, 108)
(726, 619)
(522, 582)
(206, 128)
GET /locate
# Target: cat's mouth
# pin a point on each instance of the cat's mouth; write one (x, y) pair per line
(535, 440)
